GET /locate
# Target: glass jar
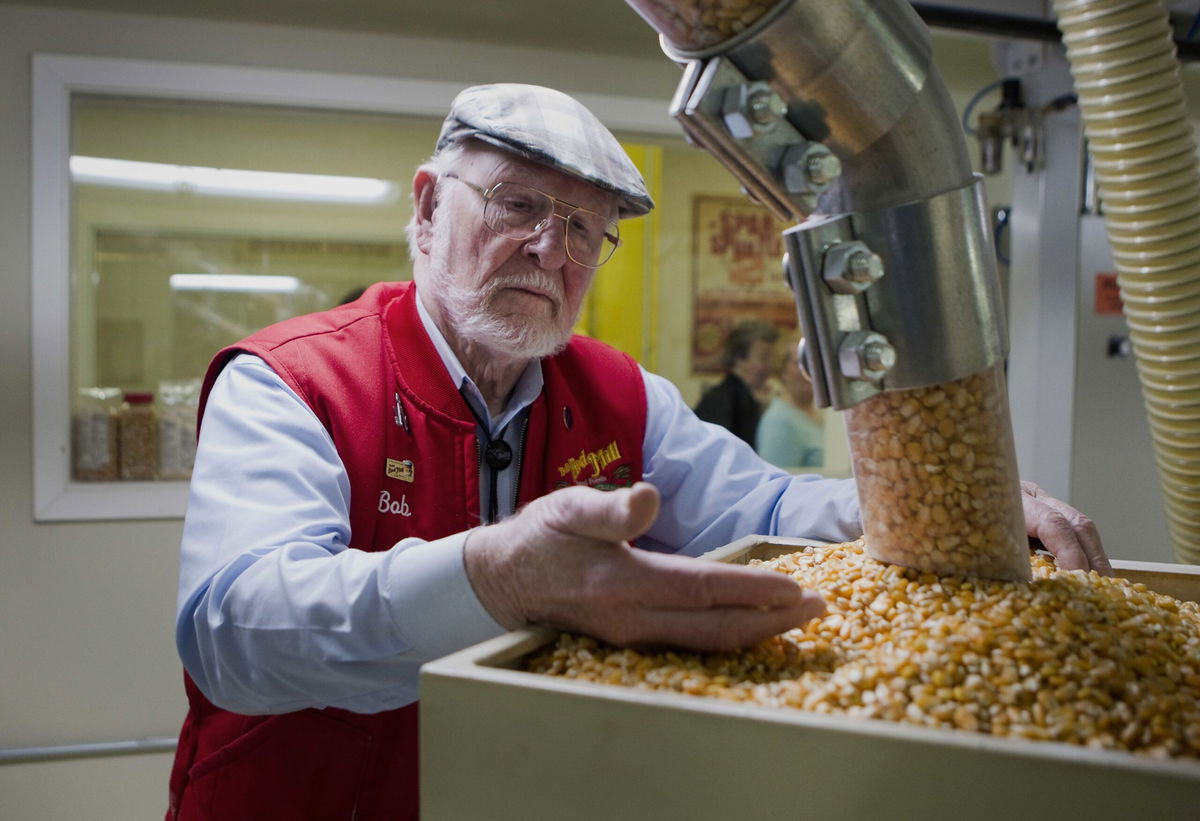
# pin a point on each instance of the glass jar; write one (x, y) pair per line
(177, 406)
(94, 442)
(138, 426)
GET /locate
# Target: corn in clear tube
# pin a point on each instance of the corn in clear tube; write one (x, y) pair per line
(937, 478)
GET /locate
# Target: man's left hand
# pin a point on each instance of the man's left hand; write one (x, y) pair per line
(1069, 535)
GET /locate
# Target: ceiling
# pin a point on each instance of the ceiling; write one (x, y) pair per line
(598, 26)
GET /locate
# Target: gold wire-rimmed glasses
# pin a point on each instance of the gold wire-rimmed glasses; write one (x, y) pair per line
(516, 211)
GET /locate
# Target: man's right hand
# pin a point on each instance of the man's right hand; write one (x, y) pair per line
(564, 561)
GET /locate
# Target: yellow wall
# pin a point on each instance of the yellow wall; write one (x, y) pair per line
(621, 307)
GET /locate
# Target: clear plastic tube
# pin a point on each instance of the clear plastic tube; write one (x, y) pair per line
(937, 478)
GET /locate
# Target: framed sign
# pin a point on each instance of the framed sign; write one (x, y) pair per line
(737, 274)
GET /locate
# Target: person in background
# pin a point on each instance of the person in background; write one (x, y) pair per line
(733, 402)
(441, 461)
(791, 431)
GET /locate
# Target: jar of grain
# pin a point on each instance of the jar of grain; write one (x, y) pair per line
(138, 426)
(177, 406)
(94, 451)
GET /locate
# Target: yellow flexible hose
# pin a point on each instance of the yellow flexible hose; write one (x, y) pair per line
(1122, 58)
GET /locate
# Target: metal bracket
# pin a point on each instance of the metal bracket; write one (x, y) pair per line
(744, 124)
(827, 317)
(899, 298)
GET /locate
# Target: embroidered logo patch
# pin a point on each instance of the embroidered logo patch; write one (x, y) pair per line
(596, 460)
(401, 469)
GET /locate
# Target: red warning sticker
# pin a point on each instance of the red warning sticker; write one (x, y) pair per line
(1108, 294)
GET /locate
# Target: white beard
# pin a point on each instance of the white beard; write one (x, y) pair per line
(473, 315)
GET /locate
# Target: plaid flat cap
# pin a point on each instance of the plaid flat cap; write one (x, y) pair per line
(551, 128)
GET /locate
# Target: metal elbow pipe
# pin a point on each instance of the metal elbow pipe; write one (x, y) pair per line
(862, 81)
(857, 76)
(833, 116)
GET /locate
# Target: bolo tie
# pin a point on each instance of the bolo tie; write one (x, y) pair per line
(498, 455)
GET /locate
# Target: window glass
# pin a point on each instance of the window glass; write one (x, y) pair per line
(195, 224)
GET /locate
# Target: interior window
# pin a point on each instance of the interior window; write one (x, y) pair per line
(195, 224)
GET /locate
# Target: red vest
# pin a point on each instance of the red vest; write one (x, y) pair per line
(407, 439)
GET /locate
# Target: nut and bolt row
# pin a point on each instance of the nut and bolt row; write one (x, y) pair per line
(749, 109)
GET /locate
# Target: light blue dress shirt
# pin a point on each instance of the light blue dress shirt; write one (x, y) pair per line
(275, 614)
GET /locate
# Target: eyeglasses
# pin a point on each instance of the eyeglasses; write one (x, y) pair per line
(516, 211)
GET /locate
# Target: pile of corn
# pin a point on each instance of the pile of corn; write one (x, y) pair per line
(1071, 656)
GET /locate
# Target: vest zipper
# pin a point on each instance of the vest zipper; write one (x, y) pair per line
(520, 462)
(479, 472)
(401, 418)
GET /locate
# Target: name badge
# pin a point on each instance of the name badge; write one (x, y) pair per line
(401, 469)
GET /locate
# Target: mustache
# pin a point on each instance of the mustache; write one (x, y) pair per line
(532, 280)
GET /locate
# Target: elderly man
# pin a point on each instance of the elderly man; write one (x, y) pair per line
(421, 469)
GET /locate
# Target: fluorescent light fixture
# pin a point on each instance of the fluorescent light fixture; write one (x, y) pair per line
(250, 283)
(231, 182)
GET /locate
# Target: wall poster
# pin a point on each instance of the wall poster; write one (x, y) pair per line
(737, 274)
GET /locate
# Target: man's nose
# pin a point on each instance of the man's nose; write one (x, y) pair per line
(549, 244)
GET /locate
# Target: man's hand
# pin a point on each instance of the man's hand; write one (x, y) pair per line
(565, 561)
(1064, 531)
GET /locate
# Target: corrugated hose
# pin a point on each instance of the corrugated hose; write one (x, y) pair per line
(1127, 77)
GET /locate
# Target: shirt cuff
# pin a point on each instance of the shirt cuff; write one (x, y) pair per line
(433, 605)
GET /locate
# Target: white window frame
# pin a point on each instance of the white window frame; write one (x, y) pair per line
(57, 497)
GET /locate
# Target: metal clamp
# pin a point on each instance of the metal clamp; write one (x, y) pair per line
(743, 123)
(899, 298)
(832, 313)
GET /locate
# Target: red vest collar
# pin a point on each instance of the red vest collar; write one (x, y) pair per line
(421, 373)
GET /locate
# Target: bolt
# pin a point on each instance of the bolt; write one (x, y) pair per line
(765, 106)
(850, 267)
(823, 167)
(751, 107)
(863, 267)
(808, 168)
(878, 356)
(802, 359)
(866, 356)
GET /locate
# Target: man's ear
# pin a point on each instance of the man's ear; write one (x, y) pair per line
(424, 203)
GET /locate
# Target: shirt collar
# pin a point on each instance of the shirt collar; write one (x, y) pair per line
(527, 389)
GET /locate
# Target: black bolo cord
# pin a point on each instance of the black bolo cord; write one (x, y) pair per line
(498, 455)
